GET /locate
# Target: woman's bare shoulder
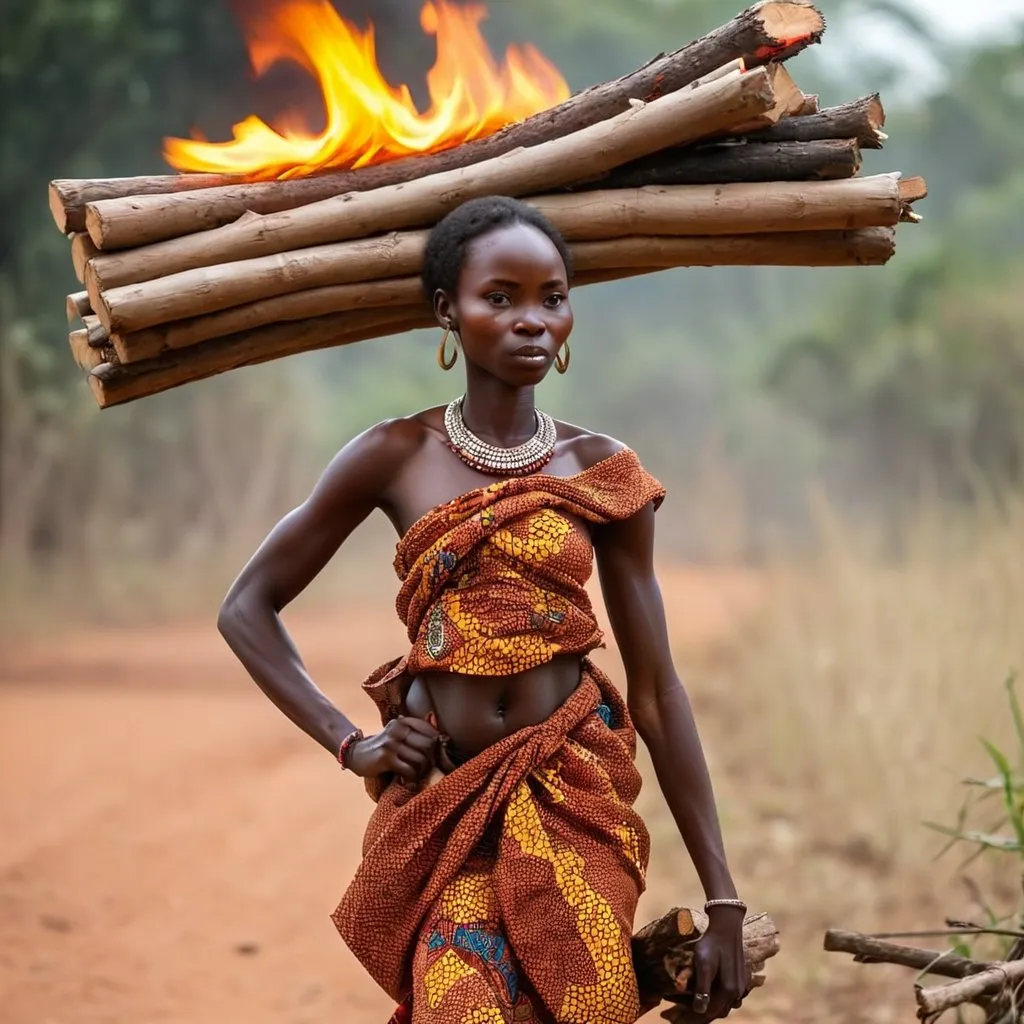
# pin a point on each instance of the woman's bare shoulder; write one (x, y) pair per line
(587, 447)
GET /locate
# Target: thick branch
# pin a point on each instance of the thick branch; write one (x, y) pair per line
(77, 305)
(663, 952)
(868, 950)
(88, 356)
(737, 160)
(939, 998)
(82, 250)
(775, 30)
(860, 119)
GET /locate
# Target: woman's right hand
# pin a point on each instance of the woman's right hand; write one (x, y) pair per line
(406, 746)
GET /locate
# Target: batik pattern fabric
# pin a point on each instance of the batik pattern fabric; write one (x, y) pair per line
(494, 582)
(506, 891)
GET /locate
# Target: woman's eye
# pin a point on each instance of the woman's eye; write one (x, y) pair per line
(553, 301)
(498, 299)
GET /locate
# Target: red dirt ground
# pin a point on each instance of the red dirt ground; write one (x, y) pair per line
(171, 847)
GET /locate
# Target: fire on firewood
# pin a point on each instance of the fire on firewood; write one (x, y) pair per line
(368, 120)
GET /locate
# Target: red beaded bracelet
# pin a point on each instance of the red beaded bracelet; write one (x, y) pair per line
(347, 742)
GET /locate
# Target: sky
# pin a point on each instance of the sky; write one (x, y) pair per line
(968, 17)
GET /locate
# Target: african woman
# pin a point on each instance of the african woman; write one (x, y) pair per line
(503, 861)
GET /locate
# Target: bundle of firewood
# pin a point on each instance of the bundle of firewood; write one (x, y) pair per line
(708, 156)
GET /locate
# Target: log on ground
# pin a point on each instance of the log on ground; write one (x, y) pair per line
(673, 120)
(772, 31)
(868, 950)
(976, 987)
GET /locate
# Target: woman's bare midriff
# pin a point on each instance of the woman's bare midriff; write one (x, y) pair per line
(477, 711)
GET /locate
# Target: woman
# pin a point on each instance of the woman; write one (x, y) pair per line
(503, 861)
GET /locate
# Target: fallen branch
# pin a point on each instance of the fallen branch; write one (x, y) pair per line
(997, 976)
(867, 949)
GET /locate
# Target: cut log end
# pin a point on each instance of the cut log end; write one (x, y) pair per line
(59, 210)
(77, 305)
(788, 27)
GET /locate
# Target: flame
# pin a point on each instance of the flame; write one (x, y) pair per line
(368, 120)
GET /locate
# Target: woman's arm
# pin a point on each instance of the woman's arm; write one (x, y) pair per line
(293, 554)
(664, 720)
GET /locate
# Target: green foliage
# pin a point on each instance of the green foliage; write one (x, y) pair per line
(1002, 831)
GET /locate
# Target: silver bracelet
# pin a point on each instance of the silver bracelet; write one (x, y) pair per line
(725, 903)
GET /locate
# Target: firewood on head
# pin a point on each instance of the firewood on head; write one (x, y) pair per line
(736, 161)
(682, 210)
(77, 305)
(97, 334)
(860, 119)
(82, 250)
(115, 385)
(401, 291)
(771, 31)
(675, 119)
(87, 356)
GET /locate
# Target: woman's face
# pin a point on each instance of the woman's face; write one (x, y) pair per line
(512, 308)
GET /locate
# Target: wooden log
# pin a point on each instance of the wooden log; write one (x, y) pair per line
(77, 305)
(811, 105)
(82, 250)
(97, 334)
(868, 950)
(669, 210)
(663, 952)
(861, 119)
(596, 260)
(735, 161)
(939, 998)
(789, 101)
(87, 356)
(772, 31)
(114, 385)
(399, 291)
(673, 120)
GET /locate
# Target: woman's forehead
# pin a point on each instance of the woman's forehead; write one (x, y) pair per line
(519, 246)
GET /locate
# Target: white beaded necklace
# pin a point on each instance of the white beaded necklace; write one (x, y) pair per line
(522, 460)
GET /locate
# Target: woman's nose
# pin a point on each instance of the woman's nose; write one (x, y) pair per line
(531, 323)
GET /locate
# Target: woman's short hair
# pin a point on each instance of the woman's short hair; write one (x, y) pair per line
(447, 243)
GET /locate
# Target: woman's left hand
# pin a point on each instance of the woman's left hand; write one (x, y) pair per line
(719, 967)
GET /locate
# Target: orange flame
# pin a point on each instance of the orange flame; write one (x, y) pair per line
(368, 120)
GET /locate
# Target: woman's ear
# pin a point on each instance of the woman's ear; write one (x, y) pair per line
(443, 308)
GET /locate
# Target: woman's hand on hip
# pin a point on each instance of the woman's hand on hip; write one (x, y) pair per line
(405, 746)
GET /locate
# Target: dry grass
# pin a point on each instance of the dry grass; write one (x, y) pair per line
(841, 718)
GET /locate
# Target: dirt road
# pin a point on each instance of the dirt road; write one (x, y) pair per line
(171, 847)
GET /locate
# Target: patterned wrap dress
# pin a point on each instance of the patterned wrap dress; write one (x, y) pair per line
(505, 891)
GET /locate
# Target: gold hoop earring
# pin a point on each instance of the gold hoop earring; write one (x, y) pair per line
(561, 365)
(444, 363)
